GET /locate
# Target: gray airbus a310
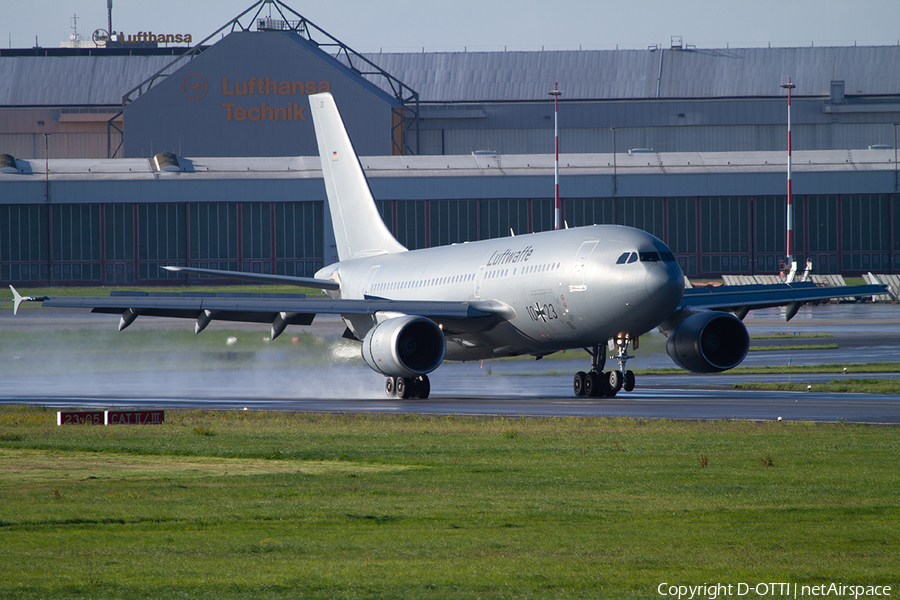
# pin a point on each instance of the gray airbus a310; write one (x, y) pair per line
(597, 288)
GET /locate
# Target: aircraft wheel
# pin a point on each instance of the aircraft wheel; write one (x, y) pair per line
(594, 384)
(628, 383)
(591, 384)
(423, 387)
(614, 378)
(578, 384)
(404, 387)
(390, 386)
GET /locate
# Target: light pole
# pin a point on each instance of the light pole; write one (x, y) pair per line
(556, 93)
(790, 214)
(895, 155)
(47, 168)
(615, 169)
(49, 216)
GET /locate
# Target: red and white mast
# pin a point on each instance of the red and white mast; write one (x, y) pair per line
(555, 93)
(790, 214)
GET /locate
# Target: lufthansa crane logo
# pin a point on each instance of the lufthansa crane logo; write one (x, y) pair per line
(194, 86)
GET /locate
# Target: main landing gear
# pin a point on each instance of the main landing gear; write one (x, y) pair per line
(597, 383)
(407, 387)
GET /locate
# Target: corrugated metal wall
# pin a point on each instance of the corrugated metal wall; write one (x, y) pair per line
(119, 228)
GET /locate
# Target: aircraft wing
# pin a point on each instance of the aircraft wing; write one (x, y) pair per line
(278, 309)
(742, 298)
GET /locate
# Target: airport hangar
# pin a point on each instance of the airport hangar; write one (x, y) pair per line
(687, 144)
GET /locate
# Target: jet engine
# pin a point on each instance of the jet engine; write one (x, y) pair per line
(708, 342)
(404, 347)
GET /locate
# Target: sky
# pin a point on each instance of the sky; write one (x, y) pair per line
(480, 25)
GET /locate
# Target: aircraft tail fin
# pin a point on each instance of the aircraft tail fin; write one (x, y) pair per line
(358, 227)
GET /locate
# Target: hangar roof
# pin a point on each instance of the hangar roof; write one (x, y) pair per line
(469, 177)
(100, 79)
(475, 164)
(644, 74)
(59, 80)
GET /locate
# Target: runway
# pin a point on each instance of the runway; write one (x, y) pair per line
(662, 402)
(863, 333)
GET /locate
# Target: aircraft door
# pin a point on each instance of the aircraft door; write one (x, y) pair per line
(478, 277)
(367, 285)
(577, 283)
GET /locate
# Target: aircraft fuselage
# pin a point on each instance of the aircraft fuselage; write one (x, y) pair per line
(570, 288)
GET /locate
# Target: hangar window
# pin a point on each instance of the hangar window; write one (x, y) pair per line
(214, 233)
(256, 230)
(23, 238)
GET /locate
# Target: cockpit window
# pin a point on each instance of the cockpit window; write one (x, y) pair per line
(631, 257)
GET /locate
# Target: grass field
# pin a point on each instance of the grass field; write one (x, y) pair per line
(840, 386)
(793, 347)
(288, 505)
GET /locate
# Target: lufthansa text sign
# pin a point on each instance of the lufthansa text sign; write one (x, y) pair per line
(269, 95)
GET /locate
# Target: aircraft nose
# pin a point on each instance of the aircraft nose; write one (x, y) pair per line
(665, 285)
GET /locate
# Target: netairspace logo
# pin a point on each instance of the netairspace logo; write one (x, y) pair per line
(771, 590)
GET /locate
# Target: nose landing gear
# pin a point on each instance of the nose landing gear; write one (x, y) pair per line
(597, 383)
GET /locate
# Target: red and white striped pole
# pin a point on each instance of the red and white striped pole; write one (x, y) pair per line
(555, 93)
(790, 198)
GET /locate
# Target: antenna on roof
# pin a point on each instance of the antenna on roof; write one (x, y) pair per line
(75, 37)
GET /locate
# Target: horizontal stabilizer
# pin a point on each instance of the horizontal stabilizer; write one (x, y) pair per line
(321, 284)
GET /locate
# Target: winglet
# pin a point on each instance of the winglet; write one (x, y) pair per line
(18, 299)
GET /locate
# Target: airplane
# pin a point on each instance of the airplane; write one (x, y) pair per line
(598, 287)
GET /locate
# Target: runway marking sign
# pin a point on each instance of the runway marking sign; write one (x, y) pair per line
(135, 417)
(110, 417)
(80, 417)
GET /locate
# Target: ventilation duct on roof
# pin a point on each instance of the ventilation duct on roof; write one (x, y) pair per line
(8, 164)
(166, 161)
(837, 92)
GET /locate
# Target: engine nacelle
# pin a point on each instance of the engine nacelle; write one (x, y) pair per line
(404, 347)
(708, 342)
